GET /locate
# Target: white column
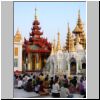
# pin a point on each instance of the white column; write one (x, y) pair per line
(50, 68)
(58, 66)
(20, 57)
(77, 69)
(37, 61)
(55, 68)
(19, 68)
(69, 65)
(29, 67)
(81, 65)
(16, 57)
(68, 68)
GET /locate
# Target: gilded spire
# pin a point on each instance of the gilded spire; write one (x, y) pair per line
(35, 13)
(54, 44)
(79, 14)
(69, 33)
(17, 31)
(79, 22)
(79, 18)
(70, 41)
(17, 36)
(68, 28)
(58, 43)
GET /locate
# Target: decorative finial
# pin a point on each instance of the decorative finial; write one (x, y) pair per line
(35, 14)
(58, 43)
(17, 32)
(59, 37)
(17, 29)
(68, 28)
(79, 21)
(79, 14)
(58, 33)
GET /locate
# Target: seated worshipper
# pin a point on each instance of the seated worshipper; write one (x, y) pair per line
(25, 80)
(37, 87)
(46, 83)
(47, 76)
(81, 86)
(51, 82)
(33, 81)
(70, 79)
(84, 84)
(42, 91)
(16, 81)
(72, 88)
(74, 81)
(37, 80)
(73, 85)
(61, 81)
(77, 86)
(65, 93)
(65, 80)
(29, 86)
(56, 89)
(41, 77)
(36, 84)
(20, 83)
(55, 77)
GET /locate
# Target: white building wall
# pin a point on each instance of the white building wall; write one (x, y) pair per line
(19, 57)
(62, 59)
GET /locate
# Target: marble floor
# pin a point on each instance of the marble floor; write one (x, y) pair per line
(21, 93)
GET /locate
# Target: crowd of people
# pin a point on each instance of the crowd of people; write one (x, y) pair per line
(57, 86)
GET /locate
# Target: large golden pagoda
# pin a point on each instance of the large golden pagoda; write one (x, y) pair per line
(80, 31)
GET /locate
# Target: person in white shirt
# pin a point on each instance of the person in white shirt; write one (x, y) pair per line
(37, 87)
(56, 89)
(84, 84)
(20, 83)
(65, 93)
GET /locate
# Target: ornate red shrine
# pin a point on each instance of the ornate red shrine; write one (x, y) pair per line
(35, 50)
